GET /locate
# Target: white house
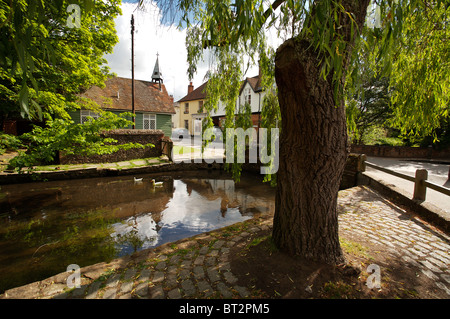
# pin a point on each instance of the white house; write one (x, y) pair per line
(251, 93)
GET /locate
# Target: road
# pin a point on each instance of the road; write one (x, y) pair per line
(214, 153)
(437, 173)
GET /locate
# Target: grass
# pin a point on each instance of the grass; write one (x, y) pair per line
(5, 158)
(353, 248)
(256, 241)
(337, 290)
(118, 165)
(180, 150)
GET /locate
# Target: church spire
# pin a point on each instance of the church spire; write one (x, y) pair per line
(157, 75)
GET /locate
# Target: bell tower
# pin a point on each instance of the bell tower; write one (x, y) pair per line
(157, 75)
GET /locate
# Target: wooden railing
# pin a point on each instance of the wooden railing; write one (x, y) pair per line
(420, 181)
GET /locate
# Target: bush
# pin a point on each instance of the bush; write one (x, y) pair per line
(378, 135)
(44, 144)
(9, 143)
(373, 134)
(391, 141)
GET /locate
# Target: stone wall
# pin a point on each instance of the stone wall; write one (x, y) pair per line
(123, 137)
(401, 151)
(353, 168)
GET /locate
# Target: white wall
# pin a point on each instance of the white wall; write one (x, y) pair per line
(176, 116)
(256, 101)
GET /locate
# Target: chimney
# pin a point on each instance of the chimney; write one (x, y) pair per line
(190, 87)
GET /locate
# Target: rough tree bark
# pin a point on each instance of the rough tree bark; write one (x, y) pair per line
(313, 150)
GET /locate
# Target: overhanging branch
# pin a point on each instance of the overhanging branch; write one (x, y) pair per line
(273, 7)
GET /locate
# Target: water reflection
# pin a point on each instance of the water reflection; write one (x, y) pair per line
(197, 205)
(46, 226)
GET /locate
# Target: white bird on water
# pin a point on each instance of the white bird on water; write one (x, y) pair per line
(137, 180)
(157, 183)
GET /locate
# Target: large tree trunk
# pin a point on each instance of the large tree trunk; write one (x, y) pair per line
(313, 152)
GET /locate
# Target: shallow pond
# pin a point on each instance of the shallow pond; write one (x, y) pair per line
(44, 227)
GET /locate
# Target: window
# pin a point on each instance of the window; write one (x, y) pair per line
(248, 96)
(186, 124)
(149, 122)
(86, 114)
(200, 107)
(186, 108)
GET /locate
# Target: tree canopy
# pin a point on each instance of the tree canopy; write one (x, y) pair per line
(420, 75)
(46, 58)
(314, 70)
(403, 41)
(413, 58)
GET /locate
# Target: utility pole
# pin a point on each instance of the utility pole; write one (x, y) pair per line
(132, 72)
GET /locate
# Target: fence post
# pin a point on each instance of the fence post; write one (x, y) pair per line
(420, 189)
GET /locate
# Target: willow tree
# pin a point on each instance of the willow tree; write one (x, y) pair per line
(420, 75)
(310, 74)
(408, 86)
(311, 71)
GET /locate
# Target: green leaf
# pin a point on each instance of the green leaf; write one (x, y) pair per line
(23, 100)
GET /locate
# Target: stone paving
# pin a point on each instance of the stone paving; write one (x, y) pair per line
(407, 238)
(199, 267)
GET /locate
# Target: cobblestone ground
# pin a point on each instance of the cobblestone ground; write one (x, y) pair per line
(192, 268)
(366, 216)
(199, 267)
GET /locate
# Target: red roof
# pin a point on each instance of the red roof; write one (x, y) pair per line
(255, 84)
(117, 96)
(200, 92)
(197, 94)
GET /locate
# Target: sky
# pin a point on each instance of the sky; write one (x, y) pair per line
(151, 38)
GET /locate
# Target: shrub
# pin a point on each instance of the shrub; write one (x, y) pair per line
(9, 142)
(44, 144)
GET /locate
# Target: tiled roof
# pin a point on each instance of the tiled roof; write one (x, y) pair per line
(147, 96)
(197, 94)
(255, 84)
(200, 92)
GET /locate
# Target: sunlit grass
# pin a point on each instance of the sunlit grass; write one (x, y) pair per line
(180, 150)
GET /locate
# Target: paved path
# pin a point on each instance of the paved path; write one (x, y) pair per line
(415, 244)
(199, 267)
(215, 152)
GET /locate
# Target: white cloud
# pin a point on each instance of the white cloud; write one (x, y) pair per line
(152, 37)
